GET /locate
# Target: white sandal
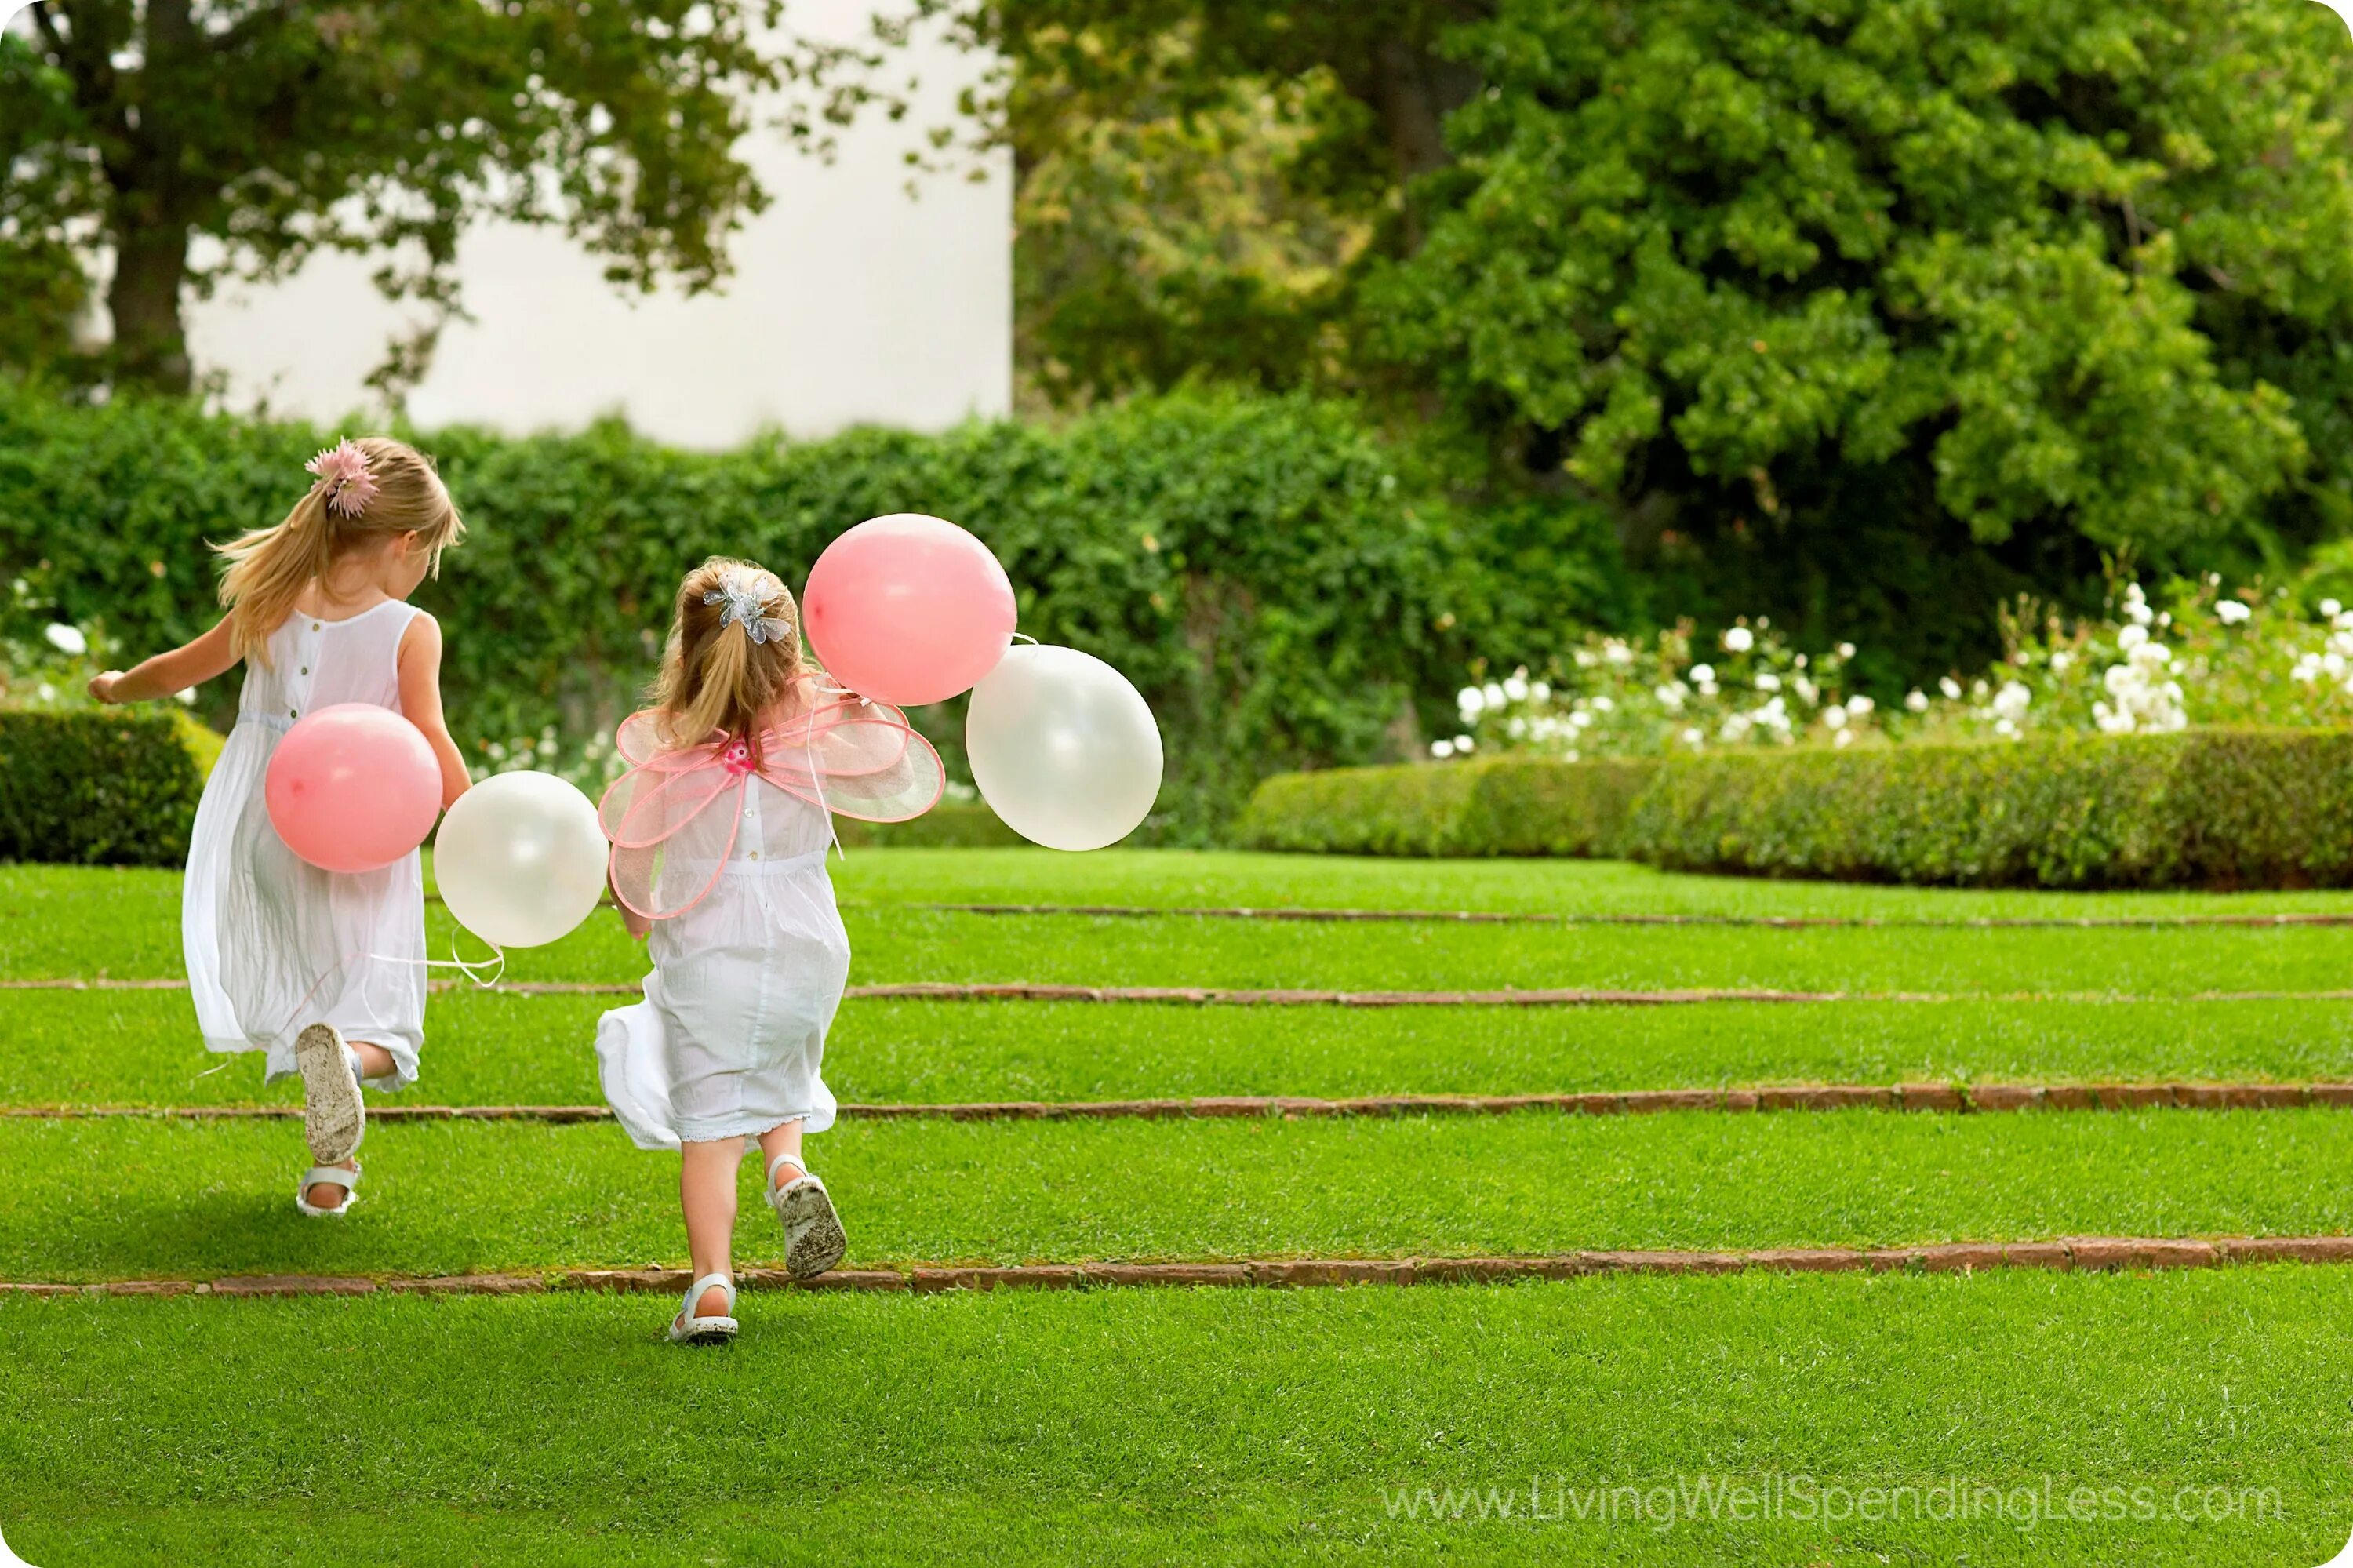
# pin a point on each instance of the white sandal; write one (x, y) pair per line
(690, 1327)
(327, 1176)
(813, 1238)
(333, 1118)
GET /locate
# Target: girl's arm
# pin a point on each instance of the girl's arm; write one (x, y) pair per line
(419, 664)
(206, 659)
(634, 923)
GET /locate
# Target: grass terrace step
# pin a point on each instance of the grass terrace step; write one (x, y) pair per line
(140, 1048)
(116, 1199)
(1148, 1426)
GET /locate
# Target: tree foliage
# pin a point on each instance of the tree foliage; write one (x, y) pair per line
(198, 140)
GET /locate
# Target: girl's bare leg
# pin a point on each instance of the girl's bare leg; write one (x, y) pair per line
(706, 1191)
(785, 1139)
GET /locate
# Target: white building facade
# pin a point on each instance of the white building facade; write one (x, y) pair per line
(851, 302)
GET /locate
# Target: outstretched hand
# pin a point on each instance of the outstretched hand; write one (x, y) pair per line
(101, 686)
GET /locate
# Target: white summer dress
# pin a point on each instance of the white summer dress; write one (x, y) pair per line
(747, 975)
(273, 943)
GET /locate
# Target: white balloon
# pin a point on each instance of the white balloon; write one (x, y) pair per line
(1063, 747)
(521, 859)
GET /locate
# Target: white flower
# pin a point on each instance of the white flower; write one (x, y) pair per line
(2059, 660)
(1603, 705)
(2232, 612)
(1739, 638)
(1462, 743)
(1441, 748)
(1693, 738)
(1735, 728)
(1703, 675)
(1858, 707)
(1951, 688)
(2329, 608)
(1492, 691)
(66, 639)
(1468, 701)
(2003, 727)
(2011, 701)
(2152, 656)
(1671, 695)
(2132, 637)
(1916, 702)
(1517, 728)
(1767, 681)
(2334, 663)
(1516, 689)
(1834, 715)
(2307, 669)
(1584, 658)
(1807, 691)
(187, 696)
(1580, 719)
(1540, 691)
(1843, 738)
(1617, 652)
(1846, 649)
(495, 751)
(47, 693)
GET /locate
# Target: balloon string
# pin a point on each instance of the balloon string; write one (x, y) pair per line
(496, 964)
(1029, 640)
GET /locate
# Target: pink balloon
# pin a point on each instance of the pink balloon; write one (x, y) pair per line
(908, 610)
(352, 787)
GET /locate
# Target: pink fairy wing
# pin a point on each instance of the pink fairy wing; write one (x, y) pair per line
(859, 759)
(668, 845)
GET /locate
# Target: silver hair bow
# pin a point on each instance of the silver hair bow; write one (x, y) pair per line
(745, 598)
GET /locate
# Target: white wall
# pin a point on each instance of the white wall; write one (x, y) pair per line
(850, 302)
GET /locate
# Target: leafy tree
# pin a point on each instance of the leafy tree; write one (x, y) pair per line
(204, 139)
(2004, 273)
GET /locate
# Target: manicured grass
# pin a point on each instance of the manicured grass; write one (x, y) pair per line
(1152, 1426)
(79, 927)
(1162, 878)
(143, 1199)
(129, 1048)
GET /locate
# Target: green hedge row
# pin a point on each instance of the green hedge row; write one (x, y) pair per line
(2217, 808)
(1276, 580)
(95, 788)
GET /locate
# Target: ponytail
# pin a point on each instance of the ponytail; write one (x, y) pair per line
(269, 568)
(715, 679)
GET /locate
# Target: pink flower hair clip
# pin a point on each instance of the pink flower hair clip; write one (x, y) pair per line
(343, 469)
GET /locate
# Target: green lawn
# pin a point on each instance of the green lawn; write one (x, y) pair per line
(128, 927)
(100, 1200)
(1153, 1425)
(139, 1048)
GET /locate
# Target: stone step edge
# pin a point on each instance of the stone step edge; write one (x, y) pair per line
(1950, 1098)
(2074, 1254)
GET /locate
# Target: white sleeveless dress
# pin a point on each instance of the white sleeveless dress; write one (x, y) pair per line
(730, 1039)
(273, 943)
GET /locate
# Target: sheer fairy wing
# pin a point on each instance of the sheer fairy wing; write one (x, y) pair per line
(668, 843)
(859, 759)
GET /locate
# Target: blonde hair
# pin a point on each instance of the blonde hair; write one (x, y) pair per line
(714, 678)
(269, 567)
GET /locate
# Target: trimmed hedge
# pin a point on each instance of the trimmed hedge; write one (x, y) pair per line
(1494, 806)
(2217, 808)
(95, 788)
(951, 824)
(1278, 583)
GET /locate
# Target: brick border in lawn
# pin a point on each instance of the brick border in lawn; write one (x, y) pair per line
(1555, 918)
(2070, 1254)
(1931, 1098)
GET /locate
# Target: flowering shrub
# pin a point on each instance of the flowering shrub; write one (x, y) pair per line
(2206, 657)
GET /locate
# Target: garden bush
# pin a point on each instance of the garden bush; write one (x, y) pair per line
(95, 788)
(1497, 806)
(2223, 808)
(1274, 578)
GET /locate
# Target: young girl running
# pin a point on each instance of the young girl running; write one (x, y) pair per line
(719, 831)
(322, 971)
